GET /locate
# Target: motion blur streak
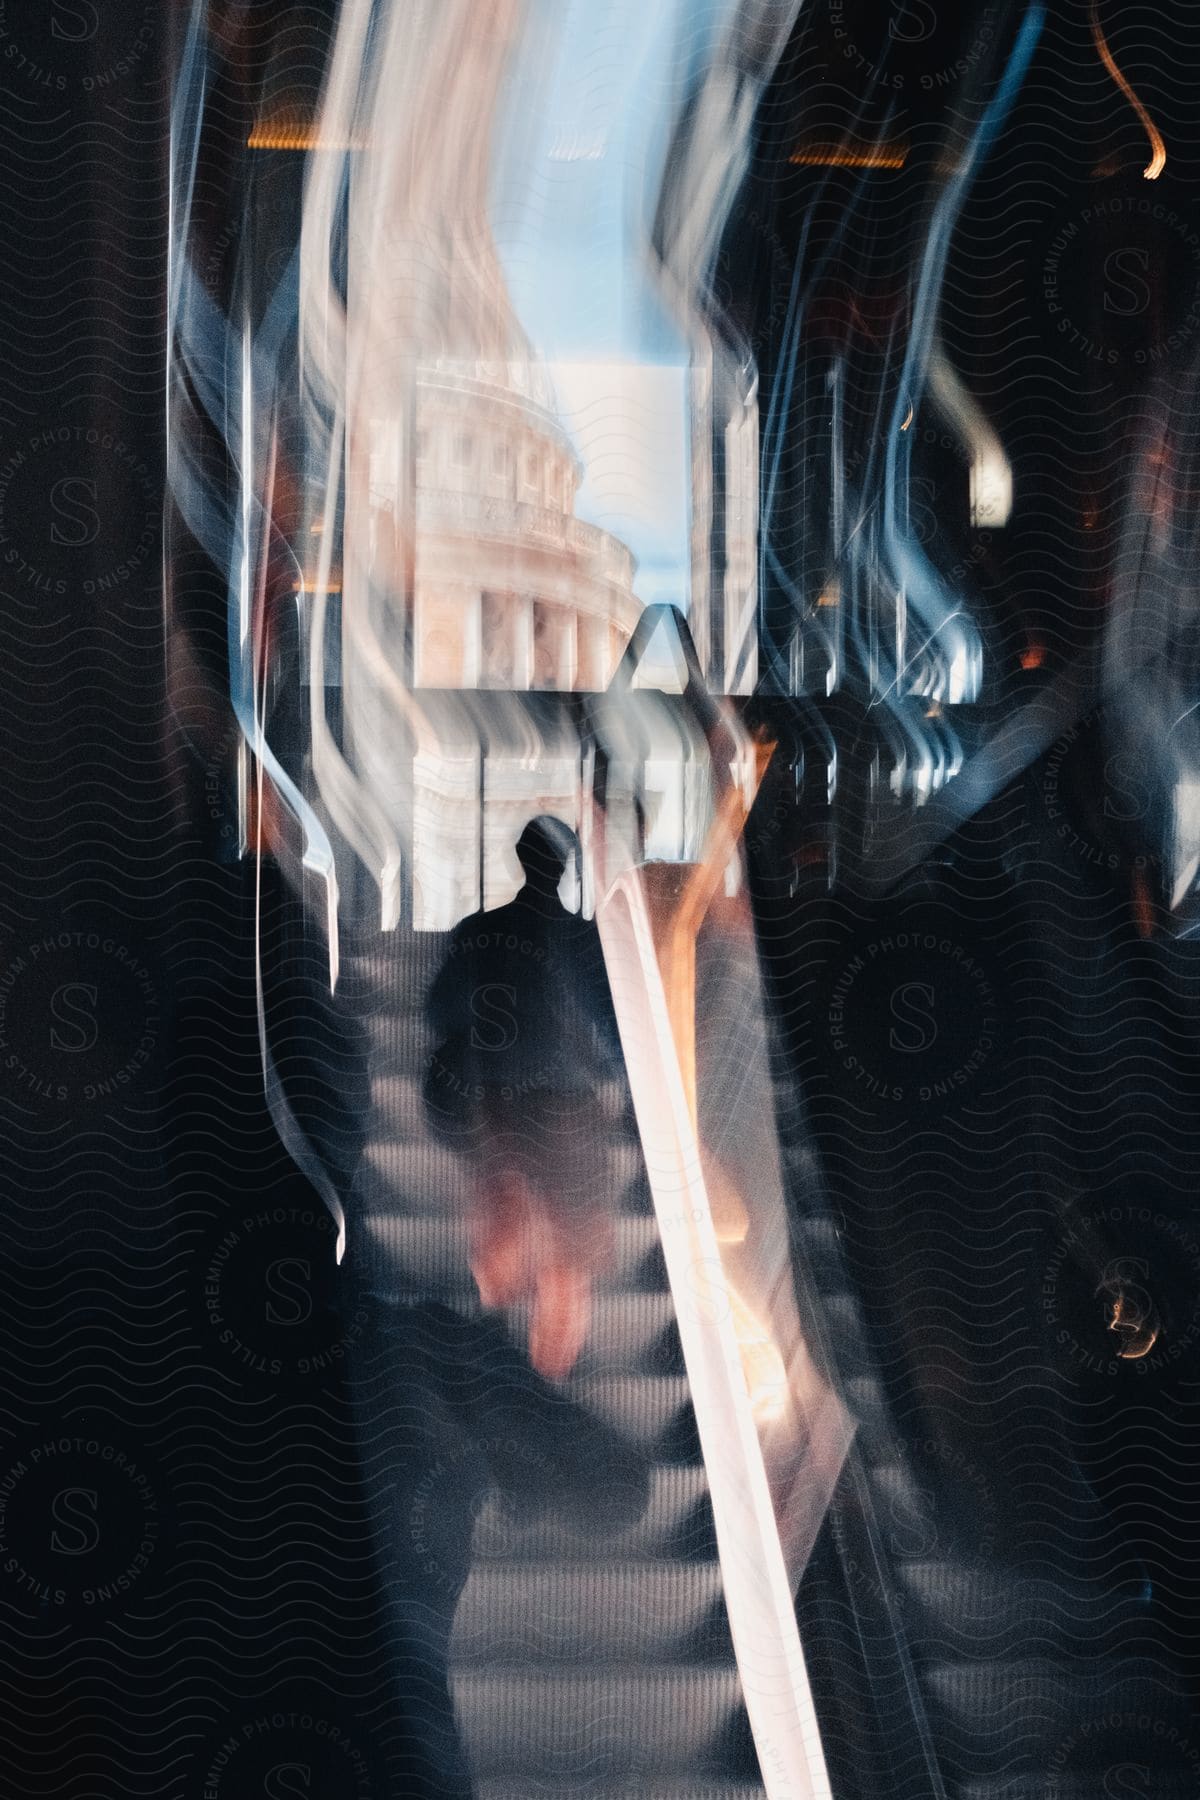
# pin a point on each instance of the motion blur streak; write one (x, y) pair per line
(1149, 666)
(957, 669)
(1142, 668)
(224, 377)
(1158, 150)
(885, 618)
(878, 156)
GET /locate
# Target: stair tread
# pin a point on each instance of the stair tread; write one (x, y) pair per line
(532, 1789)
(676, 1518)
(440, 1185)
(603, 1611)
(647, 1408)
(611, 1570)
(409, 1175)
(677, 1719)
(1166, 1783)
(720, 1682)
(389, 1084)
(992, 1717)
(432, 1252)
(995, 1595)
(630, 1333)
(604, 1668)
(1089, 1677)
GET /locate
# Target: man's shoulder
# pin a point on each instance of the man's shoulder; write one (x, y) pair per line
(482, 930)
(544, 939)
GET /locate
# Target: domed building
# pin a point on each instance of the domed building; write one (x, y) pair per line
(511, 590)
(471, 587)
(511, 594)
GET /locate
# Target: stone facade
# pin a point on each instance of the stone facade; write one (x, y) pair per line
(511, 590)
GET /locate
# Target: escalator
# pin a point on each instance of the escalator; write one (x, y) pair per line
(979, 1628)
(973, 1627)
(959, 1645)
(581, 1658)
(950, 1658)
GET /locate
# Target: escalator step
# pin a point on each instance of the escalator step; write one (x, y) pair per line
(610, 1722)
(654, 1411)
(407, 1169)
(621, 1790)
(428, 1255)
(399, 1114)
(398, 1099)
(417, 1179)
(1142, 1776)
(397, 1032)
(989, 1609)
(630, 1334)
(399, 966)
(899, 1488)
(598, 1612)
(400, 1042)
(677, 1522)
(998, 1717)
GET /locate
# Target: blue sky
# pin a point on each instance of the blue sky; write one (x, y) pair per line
(580, 148)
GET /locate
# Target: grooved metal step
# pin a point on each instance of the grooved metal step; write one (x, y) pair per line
(398, 971)
(1141, 1767)
(405, 1005)
(677, 1522)
(407, 1171)
(622, 1790)
(991, 1717)
(989, 1609)
(608, 1613)
(428, 1255)
(630, 1334)
(409, 1044)
(578, 1665)
(654, 1411)
(609, 1722)
(898, 1487)
(398, 1105)
(419, 1179)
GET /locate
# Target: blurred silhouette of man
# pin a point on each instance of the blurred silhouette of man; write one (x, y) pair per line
(449, 1405)
(527, 1045)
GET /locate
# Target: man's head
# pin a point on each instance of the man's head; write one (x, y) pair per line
(543, 850)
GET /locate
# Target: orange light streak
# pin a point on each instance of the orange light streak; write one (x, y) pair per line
(832, 156)
(296, 134)
(1158, 150)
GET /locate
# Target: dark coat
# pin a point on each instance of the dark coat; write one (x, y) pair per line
(521, 1004)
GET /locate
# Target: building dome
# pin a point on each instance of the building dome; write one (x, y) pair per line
(511, 589)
